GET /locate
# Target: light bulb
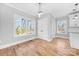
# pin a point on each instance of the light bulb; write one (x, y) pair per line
(76, 16)
(40, 14)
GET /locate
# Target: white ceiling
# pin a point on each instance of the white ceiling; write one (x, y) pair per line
(56, 9)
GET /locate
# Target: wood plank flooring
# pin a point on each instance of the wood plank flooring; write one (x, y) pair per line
(57, 47)
(38, 47)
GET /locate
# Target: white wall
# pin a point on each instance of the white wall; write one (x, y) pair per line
(74, 40)
(46, 27)
(7, 24)
(74, 31)
(53, 25)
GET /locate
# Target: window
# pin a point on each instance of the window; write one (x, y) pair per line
(24, 26)
(20, 25)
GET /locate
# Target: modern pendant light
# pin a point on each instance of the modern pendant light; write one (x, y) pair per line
(75, 11)
(40, 12)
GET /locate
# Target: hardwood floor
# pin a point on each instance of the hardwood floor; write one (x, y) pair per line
(38, 47)
(62, 47)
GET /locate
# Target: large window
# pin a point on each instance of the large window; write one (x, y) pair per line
(24, 26)
(20, 25)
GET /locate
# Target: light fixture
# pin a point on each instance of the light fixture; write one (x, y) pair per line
(76, 16)
(75, 7)
(75, 11)
(40, 12)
